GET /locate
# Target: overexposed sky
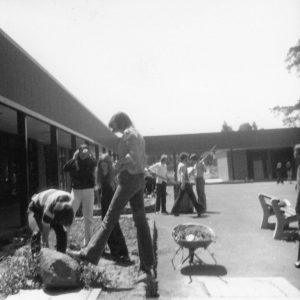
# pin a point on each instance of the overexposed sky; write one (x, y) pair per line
(175, 66)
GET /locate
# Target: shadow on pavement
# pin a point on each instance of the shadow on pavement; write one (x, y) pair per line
(210, 212)
(204, 270)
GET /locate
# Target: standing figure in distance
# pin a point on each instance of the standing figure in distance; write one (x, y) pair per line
(297, 208)
(160, 171)
(279, 172)
(82, 171)
(184, 186)
(289, 171)
(199, 169)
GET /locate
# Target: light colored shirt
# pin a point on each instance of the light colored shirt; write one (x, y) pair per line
(131, 151)
(182, 173)
(47, 200)
(161, 171)
(199, 169)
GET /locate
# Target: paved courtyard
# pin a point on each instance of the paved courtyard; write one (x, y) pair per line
(249, 261)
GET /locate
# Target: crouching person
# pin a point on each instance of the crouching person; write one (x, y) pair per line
(50, 209)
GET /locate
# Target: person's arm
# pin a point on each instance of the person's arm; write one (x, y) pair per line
(69, 165)
(153, 169)
(45, 233)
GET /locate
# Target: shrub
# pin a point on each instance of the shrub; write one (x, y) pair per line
(21, 273)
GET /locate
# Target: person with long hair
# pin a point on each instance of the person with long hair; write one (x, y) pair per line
(82, 169)
(130, 169)
(106, 181)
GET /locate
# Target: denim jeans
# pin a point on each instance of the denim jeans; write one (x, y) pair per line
(60, 232)
(200, 186)
(161, 196)
(189, 190)
(130, 188)
(116, 241)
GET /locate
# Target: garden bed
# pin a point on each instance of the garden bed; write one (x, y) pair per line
(119, 281)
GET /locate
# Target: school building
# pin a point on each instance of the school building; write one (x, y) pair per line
(240, 155)
(41, 125)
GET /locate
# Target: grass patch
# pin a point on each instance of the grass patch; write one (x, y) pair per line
(19, 269)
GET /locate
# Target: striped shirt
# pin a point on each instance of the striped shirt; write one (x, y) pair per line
(46, 201)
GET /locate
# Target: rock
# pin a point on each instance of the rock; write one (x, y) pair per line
(58, 270)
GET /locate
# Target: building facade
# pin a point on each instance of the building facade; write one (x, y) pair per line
(240, 155)
(41, 125)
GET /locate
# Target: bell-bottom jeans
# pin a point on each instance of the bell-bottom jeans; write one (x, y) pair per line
(130, 188)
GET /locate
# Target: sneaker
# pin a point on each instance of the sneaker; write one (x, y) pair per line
(297, 264)
(76, 254)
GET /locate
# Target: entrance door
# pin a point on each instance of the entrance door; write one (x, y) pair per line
(258, 169)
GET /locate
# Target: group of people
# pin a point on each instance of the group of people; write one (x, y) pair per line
(184, 175)
(119, 184)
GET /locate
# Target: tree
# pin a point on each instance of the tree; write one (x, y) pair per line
(226, 127)
(254, 126)
(245, 127)
(291, 114)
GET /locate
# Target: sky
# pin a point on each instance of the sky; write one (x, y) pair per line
(175, 66)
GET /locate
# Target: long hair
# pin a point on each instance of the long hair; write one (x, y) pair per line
(121, 120)
(110, 174)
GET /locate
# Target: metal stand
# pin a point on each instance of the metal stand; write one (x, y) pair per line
(191, 256)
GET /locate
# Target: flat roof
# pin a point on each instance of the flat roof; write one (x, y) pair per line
(25, 82)
(257, 139)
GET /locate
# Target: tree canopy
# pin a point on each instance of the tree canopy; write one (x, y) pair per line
(291, 114)
(226, 127)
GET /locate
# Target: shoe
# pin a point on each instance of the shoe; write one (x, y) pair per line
(164, 212)
(297, 264)
(76, 254)
(175, 214)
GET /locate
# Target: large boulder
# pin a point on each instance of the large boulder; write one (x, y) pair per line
(58, 270)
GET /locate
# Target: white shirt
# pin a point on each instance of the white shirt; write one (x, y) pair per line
(182, 173)
(47, 199)
(161, 172)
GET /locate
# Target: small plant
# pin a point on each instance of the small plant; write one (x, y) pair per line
(91, 277)
(21, 273)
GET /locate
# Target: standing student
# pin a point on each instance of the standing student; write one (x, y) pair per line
(289, 171)
(50, 209)
(130, 169)
(279, 172)
(160, 171)
(106, 180)
(297, 208)
(82, 171)
(184, 186)
(198, 170)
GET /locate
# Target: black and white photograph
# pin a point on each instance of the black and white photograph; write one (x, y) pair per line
(149, 149)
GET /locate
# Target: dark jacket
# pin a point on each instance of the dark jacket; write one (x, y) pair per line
(82, 172)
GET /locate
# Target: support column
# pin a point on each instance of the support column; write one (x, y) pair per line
(97, 152)
(269, 164)
(23, 169)
(232, 164)
(53, 159)
(73, 143)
